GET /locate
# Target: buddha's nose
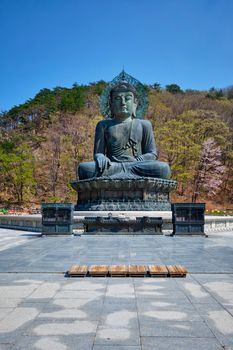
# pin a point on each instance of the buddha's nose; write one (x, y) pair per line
(123, 101)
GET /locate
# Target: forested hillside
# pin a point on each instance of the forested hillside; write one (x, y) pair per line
(43, 140)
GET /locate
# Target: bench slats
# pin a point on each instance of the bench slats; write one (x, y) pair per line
(119, 270)
(78, 270)
(158, 270)
(137, 270)
(98, 270)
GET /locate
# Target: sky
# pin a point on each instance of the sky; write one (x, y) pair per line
(49, 43)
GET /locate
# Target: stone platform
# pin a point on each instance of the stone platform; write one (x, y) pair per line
(123, 193)
(33, 222)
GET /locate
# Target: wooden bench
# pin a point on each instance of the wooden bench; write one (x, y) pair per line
(127, 271)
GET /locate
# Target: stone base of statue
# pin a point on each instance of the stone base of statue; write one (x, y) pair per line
(123, 193)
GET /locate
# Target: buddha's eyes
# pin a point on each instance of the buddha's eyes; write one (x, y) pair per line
(127, 98)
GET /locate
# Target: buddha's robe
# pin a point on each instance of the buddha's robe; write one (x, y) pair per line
(130, 147)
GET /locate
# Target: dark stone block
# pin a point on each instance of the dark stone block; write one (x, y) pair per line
(57, 218)
(188, 218)
(117, 224)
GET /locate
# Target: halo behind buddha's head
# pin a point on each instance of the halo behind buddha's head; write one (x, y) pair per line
(122, 83)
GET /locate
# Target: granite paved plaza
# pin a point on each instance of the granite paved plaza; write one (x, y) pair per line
(42, 309)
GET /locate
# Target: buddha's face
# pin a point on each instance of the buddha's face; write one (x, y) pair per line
(123, 104)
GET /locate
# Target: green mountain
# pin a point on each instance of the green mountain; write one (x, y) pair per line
(43, 140)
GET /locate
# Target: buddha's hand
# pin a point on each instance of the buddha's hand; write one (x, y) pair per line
(102, 162)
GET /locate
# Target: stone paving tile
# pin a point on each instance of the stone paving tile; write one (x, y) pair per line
(170, 314)
(126, 299)
(117, 336)
(54, 343)
(160, 293)
(120, 288)
(83, 304)
(174, 328)
(116, 347)
(17, 291)
(84, 284)
(17, 318)
(152, 283)
(4, 312)
(10, 338)
(119, 280)
(12, 302)
(164, 299)
(51, 315)
(8, 279)
(204, 309)
(5, 347)
(91, 314)
(61, 327)
(181, 343)
(164, 305)
(39, 306)
(229, 309)
(30, 278)
(119, 319)
(11, 238)
(221, 324)
(115, 304)
(79, 294)
(221, 291)
(45, 291)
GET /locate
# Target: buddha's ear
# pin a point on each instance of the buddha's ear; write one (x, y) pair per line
(135, 105)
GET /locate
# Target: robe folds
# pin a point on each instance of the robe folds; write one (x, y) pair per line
(129, 146)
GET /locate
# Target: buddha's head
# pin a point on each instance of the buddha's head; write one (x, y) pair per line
(123, 101)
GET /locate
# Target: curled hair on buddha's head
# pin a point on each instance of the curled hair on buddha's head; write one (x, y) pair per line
(124, 86)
